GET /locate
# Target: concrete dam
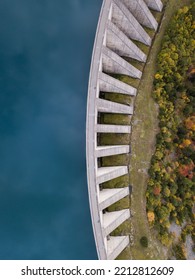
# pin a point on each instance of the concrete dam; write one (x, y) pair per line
(122, 23)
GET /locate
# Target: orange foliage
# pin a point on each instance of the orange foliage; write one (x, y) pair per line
(191, 72)
(187, 170)
(190, 123)
(156, 190)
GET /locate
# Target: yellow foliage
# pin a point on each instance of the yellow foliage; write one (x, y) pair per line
(172, 47)
(170, 206)
(177, 164)
(150, 182)
(169, 169)
(164, 129)
(151, 216)
(159, 155)
(185, 9)
(184, 97)
(157, 92)
(158, 76)
(186, 143)
(168, 140)
(157, 167)
(177, 222)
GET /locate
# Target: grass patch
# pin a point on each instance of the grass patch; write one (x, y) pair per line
(119, 182)
(124, 203)
(125, 254)
(142, 47)
(150, 32)
(118, 97)
(116, 159)
(127, 79)
(120, 119)
(113, 139)
(123, 229)
(137, 64)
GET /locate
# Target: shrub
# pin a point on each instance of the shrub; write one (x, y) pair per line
(144, 241)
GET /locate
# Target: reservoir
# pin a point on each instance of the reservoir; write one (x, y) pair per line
(45, 53)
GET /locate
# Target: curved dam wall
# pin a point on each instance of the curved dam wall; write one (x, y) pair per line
(121, 24)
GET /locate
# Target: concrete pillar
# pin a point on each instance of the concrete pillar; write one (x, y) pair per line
(141, 12)
(104, 151)
(110, 84)
(106, 106)
(156, 5)
(110, 196)
(112, 220)
(117, 41)
(105, 174)
(108, 128)
(124, 19)
(113, 63)
(115, 245)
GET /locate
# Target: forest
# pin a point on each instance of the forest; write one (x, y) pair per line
(171, 185)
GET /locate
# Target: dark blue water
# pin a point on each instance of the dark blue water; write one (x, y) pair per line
(45, 52)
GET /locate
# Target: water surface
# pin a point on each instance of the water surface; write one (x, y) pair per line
(45, 52)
